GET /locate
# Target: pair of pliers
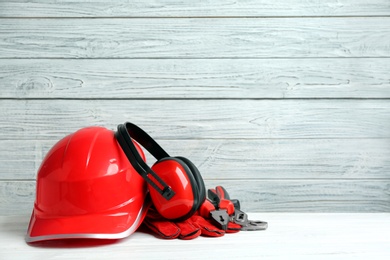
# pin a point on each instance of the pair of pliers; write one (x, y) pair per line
(220, 209)
(219, 217)
(241, 218)
(221, 198)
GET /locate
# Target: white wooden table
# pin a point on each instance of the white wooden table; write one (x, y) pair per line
(289, 236)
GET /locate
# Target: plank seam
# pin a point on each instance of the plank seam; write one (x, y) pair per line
(195, 98)
(198, 58)
(200, 17)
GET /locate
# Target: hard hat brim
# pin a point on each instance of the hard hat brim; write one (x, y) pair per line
(111, 225)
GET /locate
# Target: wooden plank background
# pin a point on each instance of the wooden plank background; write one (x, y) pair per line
(286, 104)
(169, 8)
(195, 38)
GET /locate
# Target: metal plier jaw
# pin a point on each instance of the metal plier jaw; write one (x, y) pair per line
(222, 210)
(241, 218)
(221, 199)
(220, 217)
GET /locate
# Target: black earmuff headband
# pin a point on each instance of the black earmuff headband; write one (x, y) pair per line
(128, 131)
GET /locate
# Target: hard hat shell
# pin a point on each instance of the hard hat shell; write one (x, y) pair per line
(87, 188)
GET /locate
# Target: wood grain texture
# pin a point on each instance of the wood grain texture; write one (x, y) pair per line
(17, 197)
(309, 195)
(289, 236)
(195, 78)
(199, 119)
(284, 103)
(258, 159)
(195, 38)
(139, 8)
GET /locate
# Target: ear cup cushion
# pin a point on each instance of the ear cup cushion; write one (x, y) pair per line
(165, 208)
(198, 178)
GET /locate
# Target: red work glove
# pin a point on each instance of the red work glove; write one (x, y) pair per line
(187, 229)
(233, 228)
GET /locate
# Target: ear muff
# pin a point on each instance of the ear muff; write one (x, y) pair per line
(126, 143)
(198, 178)
(184, 178)
(175, 184)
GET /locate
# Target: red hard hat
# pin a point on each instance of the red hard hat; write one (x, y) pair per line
(87, 188)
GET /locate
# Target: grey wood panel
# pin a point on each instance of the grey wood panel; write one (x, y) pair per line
(195, 78)
(239, 159)
(200, 119)
(17, 197)
(195, 38)
(137, 8)
(309, 195)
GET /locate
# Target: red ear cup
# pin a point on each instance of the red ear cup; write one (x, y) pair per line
(183, 177)
(198, 179)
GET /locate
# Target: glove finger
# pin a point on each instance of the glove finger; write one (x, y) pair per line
(152, 214)
(233, 228)
(208, 229)
(163, 228)
(188, 230)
